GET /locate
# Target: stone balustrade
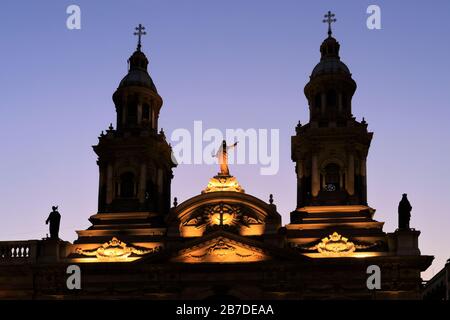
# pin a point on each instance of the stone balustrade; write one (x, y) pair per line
(24, 251)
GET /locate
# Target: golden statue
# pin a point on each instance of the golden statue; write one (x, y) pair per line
(222, 155)
(223, 181)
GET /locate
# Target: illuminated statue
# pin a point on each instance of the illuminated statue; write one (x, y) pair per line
(404, 213)
(54, 218)
(222, 155)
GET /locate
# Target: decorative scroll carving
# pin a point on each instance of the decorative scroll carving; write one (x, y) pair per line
(365, 246)
(335, 244)
(250, 220)
(195, 221)
(223, 183)
(222, 214)
(115, 250)
(221, 250)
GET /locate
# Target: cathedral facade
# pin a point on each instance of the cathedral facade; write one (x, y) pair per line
(225, 243)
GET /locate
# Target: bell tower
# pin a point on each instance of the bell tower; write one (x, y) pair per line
(135, 163)
(330, 151)
(135, 159)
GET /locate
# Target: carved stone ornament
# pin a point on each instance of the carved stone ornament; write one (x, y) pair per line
(222, 214)
(115, 250)
(223, 183)
(221, 248)
(335, 244)
(223, 251)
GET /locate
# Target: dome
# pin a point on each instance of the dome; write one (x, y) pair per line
(330, 61)
(138, 78)
(330, 65)
(137, 73)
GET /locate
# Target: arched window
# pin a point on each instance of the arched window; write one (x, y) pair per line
(331, 98)
(127, 185)
(317, 100)
(132, 113)
(332, 177)
(146, 112)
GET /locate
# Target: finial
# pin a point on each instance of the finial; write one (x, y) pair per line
(329, 19)
(110, 128)
(175, 201)
(271, 198)
(363, 121)
(140, 32)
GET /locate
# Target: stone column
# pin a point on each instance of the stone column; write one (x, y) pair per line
(139, 112)
(364, 180)
(142, 183)
(323, 103)
(124, 115)
(101, 178)
(153, 115)
(351, 175)
(315, 177)
(101, 187)
(124, 108)
(160, 181)
(109, 184)
(300, 173)
(363, 167)
(340, 102)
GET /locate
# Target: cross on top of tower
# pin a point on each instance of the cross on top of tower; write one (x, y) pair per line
(329, 19)
(140, 32)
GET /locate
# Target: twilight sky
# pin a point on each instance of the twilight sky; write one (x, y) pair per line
(231, 64)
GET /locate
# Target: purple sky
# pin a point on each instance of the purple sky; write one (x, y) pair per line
(231, 64)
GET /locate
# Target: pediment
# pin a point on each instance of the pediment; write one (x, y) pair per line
(240, 213)
(221, 249)
(222, 215)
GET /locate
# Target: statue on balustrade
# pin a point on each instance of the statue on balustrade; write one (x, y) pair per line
(404, 213)
(54, 219)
